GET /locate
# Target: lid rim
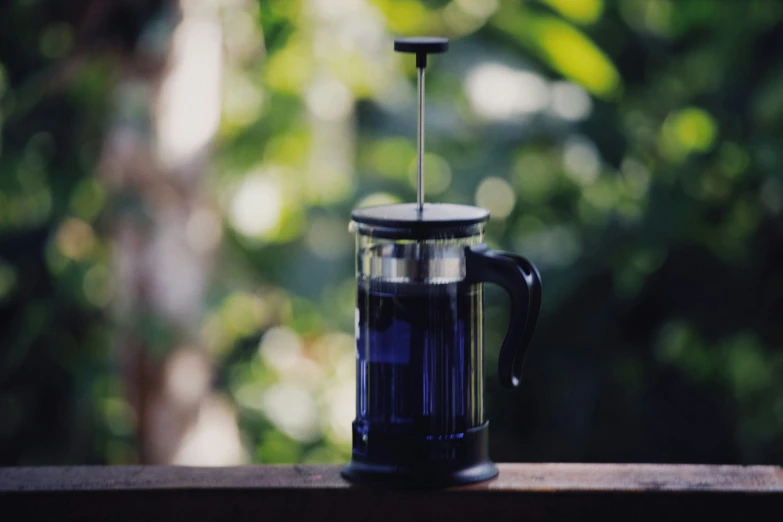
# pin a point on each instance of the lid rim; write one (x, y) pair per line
(435, 216)
(419, 234)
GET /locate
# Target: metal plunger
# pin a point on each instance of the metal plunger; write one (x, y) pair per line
(422, 46)
(420, 142)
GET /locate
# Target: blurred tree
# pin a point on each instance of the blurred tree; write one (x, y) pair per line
(164, 231)
(628, 148)
(59, 398)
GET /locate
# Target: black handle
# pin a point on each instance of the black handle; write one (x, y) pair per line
(521, 280)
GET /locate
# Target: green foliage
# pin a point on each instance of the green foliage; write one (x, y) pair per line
(629, 148)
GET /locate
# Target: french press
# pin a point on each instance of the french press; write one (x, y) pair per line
(419, 332)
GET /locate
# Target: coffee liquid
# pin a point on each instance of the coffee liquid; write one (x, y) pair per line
(419, 360)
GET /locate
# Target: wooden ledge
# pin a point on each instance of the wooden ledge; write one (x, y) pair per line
(522, 491)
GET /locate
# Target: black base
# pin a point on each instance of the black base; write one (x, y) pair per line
(392, 476)
(418, 462)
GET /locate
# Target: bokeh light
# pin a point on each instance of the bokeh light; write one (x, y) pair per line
(257, 205)
(497, 196)
(498, 92)
(580, 160)
(570, 102)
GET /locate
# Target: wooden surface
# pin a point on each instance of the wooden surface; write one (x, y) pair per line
(521, 492)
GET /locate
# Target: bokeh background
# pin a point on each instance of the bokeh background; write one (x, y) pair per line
(176, 180)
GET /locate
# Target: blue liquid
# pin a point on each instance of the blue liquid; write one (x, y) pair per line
(419, 358)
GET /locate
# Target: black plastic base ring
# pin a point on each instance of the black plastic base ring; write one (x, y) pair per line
(416, 461)
(395, 477)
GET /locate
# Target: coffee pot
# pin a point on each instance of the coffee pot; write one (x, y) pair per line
(420, 272)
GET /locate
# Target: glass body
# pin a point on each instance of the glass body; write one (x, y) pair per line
(419, 337)
(419, 342)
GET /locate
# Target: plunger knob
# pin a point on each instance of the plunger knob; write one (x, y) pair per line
(421, 46)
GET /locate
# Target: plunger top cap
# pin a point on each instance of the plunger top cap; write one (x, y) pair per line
(421, 46)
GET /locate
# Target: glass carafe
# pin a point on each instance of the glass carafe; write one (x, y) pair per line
(420, 342)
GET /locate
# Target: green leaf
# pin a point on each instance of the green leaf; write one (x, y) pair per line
(563, 48)
(578, 11)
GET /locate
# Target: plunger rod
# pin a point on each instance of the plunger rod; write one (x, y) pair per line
(420, 131)
(421, 46)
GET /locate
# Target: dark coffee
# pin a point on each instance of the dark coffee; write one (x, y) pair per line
(419, 357)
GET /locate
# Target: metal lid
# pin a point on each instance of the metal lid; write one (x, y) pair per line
(405, 220)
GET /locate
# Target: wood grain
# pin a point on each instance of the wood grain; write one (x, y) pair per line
(521, 491)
